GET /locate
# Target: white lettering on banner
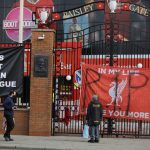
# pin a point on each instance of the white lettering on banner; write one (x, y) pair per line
(1, 57)
(110, 71)
(2, 75)
(114, 71)
(101, 71)
(140, 115)
(7, 83)
(110, 112)
(1, 66)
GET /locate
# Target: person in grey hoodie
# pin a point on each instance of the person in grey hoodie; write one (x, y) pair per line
(93, 118)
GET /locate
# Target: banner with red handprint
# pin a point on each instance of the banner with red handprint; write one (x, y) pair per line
(124, 93)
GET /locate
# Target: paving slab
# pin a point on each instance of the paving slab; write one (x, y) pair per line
(73, 143)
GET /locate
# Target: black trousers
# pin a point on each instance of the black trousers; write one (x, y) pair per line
(10, 126)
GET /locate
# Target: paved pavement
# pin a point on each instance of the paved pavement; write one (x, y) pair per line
(72, 143)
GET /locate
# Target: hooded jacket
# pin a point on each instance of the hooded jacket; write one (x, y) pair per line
(94, 112)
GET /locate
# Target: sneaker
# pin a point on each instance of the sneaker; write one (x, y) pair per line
(6, 138)
(96, 141)
(91, 141)
(11, 139)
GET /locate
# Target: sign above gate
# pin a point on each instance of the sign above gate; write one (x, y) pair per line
(114, 6)
(137, 9)
(94, 6)
(83, 10)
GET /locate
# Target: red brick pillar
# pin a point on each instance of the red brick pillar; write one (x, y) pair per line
(41, 82)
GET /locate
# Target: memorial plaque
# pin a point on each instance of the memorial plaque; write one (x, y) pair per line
(41, 66)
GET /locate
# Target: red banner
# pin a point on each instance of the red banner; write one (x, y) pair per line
(124, 93)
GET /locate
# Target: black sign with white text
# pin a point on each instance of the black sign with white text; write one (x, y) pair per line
(11, 69)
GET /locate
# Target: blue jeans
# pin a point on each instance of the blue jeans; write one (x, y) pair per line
(94, 132)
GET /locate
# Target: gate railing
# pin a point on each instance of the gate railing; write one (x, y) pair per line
(108, 127)
(93, 46)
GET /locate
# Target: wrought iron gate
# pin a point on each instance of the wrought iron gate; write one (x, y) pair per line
(102, 44)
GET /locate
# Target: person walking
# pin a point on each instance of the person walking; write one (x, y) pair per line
(9, 114)
(93, 118)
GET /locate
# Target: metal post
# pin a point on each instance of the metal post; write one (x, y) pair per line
(111, 50)
(21, 21)
(111, 39)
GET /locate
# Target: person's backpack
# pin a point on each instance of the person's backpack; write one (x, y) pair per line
(97, 113)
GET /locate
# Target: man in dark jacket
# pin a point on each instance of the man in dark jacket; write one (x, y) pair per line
(93, 117)
(9, 114)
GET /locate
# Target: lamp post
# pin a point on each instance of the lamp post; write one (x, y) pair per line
(111, 40)
(21, 21)
(113, 6)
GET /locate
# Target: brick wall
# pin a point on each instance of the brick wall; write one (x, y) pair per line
(37, 120)
(21, 122)
(41, 87)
